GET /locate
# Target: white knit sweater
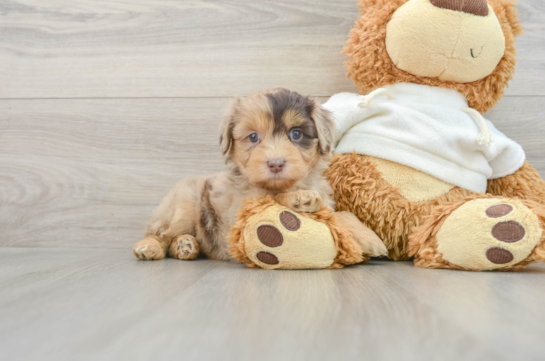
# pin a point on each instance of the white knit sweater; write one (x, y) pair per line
(424, 128)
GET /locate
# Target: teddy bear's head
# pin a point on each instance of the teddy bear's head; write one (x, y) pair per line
(466, 45)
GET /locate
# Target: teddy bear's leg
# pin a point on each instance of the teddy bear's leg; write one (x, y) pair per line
(270, 236)
(480, 233)
(525, 183)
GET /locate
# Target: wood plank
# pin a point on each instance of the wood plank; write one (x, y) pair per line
(530, 71)
(103, 304)
(66, 162)
(79, 280)
(88, 173)
(169, 48)
(476, 301)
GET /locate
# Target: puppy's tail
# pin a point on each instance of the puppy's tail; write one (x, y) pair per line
(371, 244)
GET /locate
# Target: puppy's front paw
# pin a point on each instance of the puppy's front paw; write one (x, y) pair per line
(308, 201)
(301, 201)
(148, 249)
(184, 247)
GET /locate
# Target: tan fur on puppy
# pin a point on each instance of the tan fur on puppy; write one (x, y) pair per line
(275, 142)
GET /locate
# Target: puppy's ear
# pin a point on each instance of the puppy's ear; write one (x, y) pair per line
(227, 125)
(325, 126)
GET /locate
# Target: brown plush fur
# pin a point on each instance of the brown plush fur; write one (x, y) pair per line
(359, 188)
(406, 226)
(370, 66)
(423, 242)
(349, 252)
(525, 183)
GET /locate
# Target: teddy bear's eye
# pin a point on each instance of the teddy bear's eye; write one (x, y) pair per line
(254, 137)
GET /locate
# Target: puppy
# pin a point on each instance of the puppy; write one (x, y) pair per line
(275, 142)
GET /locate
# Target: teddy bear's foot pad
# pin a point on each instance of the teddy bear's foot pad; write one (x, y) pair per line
(490, 233)
(268, 258)
(279, 238)
(272, 237)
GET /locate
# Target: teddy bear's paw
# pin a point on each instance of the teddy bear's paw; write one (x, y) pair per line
(279, 238)
(184, 247)
(488, 234)
(148, 249)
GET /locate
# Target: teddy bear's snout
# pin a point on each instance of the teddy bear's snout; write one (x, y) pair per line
(475, 7)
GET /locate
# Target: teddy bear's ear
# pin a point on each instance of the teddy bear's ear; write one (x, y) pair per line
(511, 13)
(364, 5)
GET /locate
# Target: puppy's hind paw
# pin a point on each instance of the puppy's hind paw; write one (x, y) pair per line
(184, 247)
(148, 249)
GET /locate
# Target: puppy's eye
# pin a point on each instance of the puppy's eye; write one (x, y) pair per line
(254, 137)
(296, 134)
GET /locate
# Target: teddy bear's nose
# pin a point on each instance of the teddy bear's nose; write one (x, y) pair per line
(475, 7)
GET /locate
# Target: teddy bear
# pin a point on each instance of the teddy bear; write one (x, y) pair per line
(415, 159)
(270, 236)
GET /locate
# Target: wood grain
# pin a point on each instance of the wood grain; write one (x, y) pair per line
(88, 173)
(171, 48)
(91, 304)
(530, 70)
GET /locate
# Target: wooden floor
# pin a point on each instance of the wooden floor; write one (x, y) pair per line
(105, 104)
(68, 304)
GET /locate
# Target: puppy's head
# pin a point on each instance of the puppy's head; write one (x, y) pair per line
(275, 138)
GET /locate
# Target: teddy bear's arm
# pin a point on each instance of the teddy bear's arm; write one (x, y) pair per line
(525, 183)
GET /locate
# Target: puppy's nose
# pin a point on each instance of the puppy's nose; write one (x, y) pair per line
(276, 165)
(475, 7)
